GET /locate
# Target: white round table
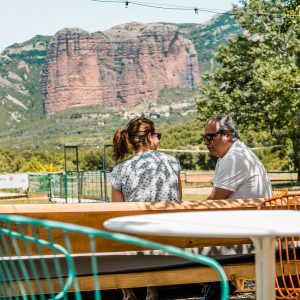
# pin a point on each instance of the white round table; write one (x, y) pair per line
(262, 226)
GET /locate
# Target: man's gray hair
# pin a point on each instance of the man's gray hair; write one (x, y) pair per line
(226, 123)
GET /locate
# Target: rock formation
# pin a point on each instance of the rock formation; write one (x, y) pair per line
(123, 65)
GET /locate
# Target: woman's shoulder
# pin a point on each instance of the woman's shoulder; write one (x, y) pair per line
(123, 163)
(166, 156)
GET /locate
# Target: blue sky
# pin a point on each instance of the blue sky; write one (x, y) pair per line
(20, 20)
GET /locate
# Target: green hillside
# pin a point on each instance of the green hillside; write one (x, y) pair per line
(20, 88)
(209, 36)
(95, 123)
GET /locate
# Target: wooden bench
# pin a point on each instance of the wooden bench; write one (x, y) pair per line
(93, 215)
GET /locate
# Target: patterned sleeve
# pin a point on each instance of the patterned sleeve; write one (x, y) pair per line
(115, 178)
(175, 165)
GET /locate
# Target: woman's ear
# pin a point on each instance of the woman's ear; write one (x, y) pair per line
(149, 137)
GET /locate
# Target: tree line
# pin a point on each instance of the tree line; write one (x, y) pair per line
(188, 136)
(257, 79)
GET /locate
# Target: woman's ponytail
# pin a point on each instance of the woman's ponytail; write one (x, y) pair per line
(121, 144)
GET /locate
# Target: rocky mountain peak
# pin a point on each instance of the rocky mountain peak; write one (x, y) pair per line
(123, 65)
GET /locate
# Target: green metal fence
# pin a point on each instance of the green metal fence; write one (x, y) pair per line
(82, 186)
(39, 183)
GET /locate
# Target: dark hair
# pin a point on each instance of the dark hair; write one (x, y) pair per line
(127, 140)
(226, 123)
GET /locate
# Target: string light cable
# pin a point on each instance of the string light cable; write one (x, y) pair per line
(190, 8)
(163, 6)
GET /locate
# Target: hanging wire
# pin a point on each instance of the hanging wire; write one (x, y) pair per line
(164, 6)
(196, 10)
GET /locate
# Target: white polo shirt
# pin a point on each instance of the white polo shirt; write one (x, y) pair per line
(241, 172)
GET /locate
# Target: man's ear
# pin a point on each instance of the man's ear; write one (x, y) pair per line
(228, 134)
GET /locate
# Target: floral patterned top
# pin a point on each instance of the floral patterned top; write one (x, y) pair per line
(150, 176)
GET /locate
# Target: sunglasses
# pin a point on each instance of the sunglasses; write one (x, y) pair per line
(211, 136)
(158, 134)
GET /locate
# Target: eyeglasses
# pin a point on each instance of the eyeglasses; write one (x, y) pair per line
(158, 134)
(211, 136)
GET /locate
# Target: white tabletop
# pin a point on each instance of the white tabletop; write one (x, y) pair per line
(235, 223)
(262, 226)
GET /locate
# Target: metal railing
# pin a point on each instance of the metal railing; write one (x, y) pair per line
(82, 186)
(93, 186)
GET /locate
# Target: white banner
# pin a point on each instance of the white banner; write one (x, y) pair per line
(11, 181)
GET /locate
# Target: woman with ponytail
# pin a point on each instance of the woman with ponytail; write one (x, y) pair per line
(146, 176)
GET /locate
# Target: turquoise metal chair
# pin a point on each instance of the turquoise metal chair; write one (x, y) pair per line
(34, 265)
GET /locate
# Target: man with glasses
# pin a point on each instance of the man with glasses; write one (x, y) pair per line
(239, 174)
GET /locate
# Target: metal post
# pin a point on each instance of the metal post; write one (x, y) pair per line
(104, 167)
(101, 185)
(78, 175)
(105, 179)
(65, 158)
(77, 160)
(50, 187)
(65, 176)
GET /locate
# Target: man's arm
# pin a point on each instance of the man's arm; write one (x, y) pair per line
(218, 193)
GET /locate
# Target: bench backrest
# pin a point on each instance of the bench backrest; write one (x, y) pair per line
(93, 215)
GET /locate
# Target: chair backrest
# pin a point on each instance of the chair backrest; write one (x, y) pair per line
(33, 263)
(279, 192)
(288, 278)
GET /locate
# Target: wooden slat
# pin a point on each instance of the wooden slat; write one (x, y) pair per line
(174, 277)
(152, 278)
(235, 272)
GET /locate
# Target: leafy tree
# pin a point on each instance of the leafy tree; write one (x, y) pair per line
(39, 162)
(257, 80)
(93, 160)
(5, 161)
(186, 161)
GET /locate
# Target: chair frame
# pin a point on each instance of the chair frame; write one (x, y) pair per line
(22, 237)
(288, 281)
(280, 192)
